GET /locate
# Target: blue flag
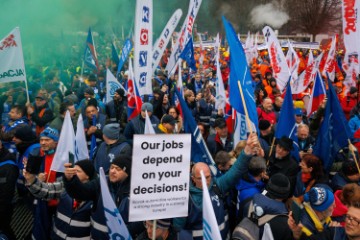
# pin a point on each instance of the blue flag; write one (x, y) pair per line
(286, 124)
(124, 54)
(199, 150)
(114, 54)
(90, 58)
(188, 54)
(334, 132)
(239, 72)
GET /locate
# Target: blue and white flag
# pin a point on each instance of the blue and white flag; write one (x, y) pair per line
(112, 84)
(163, 40)
(90, 57)
(210, 226)
(286, 124)
(199, 150)
(81, 149)
(188, 54)
(124, 54)
(66, 145)
(143, 46)
(116, 225)
(334, 132)
(240, 77)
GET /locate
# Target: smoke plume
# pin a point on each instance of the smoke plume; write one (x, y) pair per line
(268, 14)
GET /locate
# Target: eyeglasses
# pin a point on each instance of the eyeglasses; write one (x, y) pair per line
(353, 221)
(148, 225)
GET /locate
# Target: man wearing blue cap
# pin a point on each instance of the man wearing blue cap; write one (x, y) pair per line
(137, 124)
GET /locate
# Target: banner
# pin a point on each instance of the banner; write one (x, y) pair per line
(351, 25)
(124, 54)
(185, 34)
(112, 84)
(12, 67)
(66, 145)
(277, 59)
(143, 46)
(160, 177)
(163, 40)
(116, 225)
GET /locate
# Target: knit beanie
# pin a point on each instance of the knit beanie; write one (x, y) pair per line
(264, 124)
(319, 198)
(124, 162)
(50, 133)
(112, 131)
(147, 106)
(120, 91)
(25, 133)
(278, 186)
(163, 223)
(88, 167)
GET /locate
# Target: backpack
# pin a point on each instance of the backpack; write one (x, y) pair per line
(249, 227)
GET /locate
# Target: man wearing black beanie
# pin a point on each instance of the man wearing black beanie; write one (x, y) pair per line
(75, 210)
(116, 109)
(119, 186)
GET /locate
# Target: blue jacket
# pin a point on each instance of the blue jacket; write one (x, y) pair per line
(69, 222)
(218, 188)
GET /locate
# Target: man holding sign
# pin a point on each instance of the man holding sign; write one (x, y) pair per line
(218, 187)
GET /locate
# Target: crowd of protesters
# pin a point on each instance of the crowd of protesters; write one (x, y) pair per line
(259, 176)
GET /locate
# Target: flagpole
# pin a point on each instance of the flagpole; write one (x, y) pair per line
(82, 72)
(271, 149)
(351, 147)
(27, 91)
(154, 230)
(245, 107)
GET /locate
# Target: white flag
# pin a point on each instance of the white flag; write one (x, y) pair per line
(163, 40)
(185, 34)
(116, 225)
(352, 71)
(81, 150)
(329, 67)
(267, 235)
(293, 62)
(148, 125)
(112, 84)
(12, 67)
(306, 77)
(279, 66)
(66, 145)
(143, 46)
(210, 226)
(220, 90)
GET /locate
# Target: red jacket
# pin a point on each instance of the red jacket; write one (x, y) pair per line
(270, 116)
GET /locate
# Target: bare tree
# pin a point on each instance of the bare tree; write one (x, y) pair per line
(314, 16)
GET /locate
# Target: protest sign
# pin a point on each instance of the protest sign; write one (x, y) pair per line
(160, 176)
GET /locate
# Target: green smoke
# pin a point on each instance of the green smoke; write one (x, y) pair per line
(56, 30)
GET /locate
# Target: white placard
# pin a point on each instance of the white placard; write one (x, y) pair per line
(160, 176)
